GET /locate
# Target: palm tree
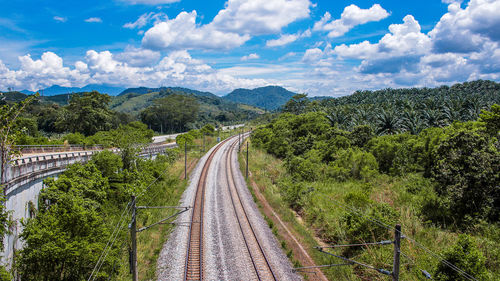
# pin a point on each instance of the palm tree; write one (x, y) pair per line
(387, 122)
(412, 123)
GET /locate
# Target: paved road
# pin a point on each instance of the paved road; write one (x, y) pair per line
(226, 255)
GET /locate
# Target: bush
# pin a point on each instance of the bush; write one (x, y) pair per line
(75, 138)
(360, 229)
(353, 163)
(184, 139)
(464, 255)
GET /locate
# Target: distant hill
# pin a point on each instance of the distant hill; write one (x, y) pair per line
(212, 107)
(145, 90)
(58, 90)
(270, 97)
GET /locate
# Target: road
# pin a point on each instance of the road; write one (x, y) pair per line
(224, 233)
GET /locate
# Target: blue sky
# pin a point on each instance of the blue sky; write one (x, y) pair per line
(317, 47)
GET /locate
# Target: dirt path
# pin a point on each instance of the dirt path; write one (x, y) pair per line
(287, 233)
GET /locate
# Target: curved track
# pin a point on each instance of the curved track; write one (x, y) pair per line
(260, 262)
(193, 269)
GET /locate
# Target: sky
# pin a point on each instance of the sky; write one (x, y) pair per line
(318, 47)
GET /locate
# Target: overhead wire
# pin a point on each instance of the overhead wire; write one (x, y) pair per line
(403, 235)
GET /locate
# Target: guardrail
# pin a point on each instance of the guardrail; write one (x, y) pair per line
(31, 149)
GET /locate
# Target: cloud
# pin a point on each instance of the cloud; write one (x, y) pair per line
(259, 17)
(94, 19)
(286, 39)
(177, 68)
(150, 2)
(252, 56)
(60, 19)
(400, 49)
(183, 33)
(351, 17)
(138, 57)
(467, 30)
(146, 18)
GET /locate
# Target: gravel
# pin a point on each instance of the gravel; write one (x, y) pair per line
(226, 256)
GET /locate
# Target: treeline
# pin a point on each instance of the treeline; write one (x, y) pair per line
(392, 111)
(444, 175)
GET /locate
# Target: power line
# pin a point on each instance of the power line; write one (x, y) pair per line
(436, 256)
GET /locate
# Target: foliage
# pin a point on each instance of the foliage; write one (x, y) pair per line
(171, 114)
(466, 256)
(87, 114)
(491, 120)
(184, 139)
(208, 130)
(353, 164)
(467, 170)
(297, 104)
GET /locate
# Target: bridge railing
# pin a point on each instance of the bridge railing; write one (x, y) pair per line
(34, 149)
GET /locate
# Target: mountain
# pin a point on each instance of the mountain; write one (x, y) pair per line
(270, 97)
(145, 90)
(58, 90)
(212, 107)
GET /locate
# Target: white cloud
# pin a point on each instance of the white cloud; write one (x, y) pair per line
(351, 17)
(138, 57)
(259, 17)
(150, 2)
(146, 18)
(252, 56)
(94, 19)
(467, 30)
(397, 50)
(60, 19)
(286, 39)
(178, 68)
(183, 33)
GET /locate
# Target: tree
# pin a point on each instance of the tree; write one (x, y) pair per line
(8, 116)
(171, 114)
(492, 120)
(297, 104)
(87, 114)
(465, 255)
(467, 170)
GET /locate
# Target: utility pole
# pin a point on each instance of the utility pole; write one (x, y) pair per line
(397, 251)
(247, 162)
(203, 142)
(133, 237)
(185, 159)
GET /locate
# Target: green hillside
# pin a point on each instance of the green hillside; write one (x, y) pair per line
(211, 107)
(270, 97)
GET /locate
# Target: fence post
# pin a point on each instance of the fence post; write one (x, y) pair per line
(397, 251)
(133, 237)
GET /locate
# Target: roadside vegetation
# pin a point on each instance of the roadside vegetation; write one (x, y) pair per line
(352, 183)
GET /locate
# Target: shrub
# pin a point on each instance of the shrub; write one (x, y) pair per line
(353, 163)
(465, 255)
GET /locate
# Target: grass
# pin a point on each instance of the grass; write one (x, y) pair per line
(320, 221)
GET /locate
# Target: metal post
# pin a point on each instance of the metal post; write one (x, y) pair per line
(397, 245)
(203, 142)
(133, 237)
(247, 162)
(185, 159)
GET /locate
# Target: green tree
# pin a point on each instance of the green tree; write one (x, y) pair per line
(465, 256)
(87, 114)
(64, 241)
(297, 104)
(467, 170)
(171, 114)
(492, 120)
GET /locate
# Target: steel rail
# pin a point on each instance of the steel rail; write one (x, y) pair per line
(260, 262)
(193, 269)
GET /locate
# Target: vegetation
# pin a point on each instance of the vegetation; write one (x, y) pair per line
(269, 98)
(437, 181)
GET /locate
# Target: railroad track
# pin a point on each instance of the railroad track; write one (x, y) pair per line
(260, 262)
(193, 269)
